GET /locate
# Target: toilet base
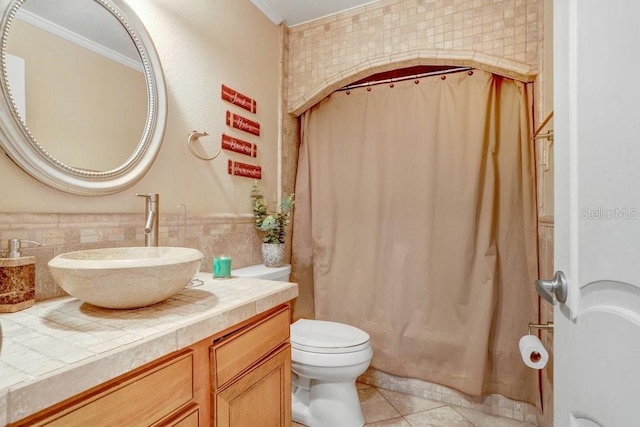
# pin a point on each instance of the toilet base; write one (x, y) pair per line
(326, 403)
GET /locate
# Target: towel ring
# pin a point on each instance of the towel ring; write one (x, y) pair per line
(194, 136)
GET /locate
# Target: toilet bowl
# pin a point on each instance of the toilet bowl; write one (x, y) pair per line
(326, 359)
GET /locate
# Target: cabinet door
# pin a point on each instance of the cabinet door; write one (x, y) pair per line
(261, 397)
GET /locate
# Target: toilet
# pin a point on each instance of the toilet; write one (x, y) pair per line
(326, 359)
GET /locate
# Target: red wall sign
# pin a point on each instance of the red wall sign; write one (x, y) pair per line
(236, 98)
(243, 169)
(239, 146)
(243, 124)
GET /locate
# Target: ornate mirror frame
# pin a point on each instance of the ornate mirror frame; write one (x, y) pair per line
(23, 148)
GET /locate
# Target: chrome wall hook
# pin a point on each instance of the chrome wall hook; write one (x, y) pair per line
(195, 136)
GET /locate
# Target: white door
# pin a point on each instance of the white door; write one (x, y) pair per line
(597, 216)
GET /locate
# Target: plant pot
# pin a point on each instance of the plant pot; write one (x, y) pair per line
(272, 254)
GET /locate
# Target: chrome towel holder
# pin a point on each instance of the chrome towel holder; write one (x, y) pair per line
(549, 134)
(195, 136)
(548, 326)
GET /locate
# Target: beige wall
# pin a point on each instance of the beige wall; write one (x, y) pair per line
(200, 46)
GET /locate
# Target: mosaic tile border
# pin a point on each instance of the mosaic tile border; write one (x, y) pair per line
(493, 404)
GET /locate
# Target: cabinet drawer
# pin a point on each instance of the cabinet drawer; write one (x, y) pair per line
(138, 401)
(243, 349)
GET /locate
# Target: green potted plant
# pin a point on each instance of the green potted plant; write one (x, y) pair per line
(273, 224)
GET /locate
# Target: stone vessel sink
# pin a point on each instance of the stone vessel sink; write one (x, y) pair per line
(125, 277)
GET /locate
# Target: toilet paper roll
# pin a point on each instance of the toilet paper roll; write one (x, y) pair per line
(533, 353)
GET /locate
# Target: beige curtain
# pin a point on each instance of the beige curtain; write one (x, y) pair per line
(415, 221)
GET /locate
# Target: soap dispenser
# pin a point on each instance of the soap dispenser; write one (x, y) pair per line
(17, 278)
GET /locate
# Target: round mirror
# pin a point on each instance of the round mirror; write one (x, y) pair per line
(83, 99)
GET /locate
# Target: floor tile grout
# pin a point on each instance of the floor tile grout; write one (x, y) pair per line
(387, 408)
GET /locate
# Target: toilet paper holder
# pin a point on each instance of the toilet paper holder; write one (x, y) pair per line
(547, 326)
(533, 352)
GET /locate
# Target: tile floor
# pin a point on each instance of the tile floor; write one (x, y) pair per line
(386, 408)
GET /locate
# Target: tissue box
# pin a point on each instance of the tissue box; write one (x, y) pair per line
(17, 283)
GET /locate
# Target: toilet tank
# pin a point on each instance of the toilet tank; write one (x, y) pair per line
(260, 271)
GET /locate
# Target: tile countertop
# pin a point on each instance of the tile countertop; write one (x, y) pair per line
(61, 347)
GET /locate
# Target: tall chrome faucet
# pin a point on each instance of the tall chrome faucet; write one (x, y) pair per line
(151, 219)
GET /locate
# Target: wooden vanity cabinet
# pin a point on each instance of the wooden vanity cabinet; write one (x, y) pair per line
(238, 377)
(251, 372)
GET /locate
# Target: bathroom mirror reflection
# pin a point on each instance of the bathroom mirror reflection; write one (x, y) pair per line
(83, 93)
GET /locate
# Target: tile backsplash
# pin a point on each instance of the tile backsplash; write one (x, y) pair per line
(233, 235)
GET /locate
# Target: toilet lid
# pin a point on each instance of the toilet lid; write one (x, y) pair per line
(321, 336)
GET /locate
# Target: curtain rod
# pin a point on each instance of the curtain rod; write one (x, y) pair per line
(401, 79)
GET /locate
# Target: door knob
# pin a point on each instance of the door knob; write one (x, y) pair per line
(548, 289)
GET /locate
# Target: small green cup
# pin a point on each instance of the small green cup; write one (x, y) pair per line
(222, 267)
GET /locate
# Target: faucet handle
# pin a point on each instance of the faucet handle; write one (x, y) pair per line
(153, 197)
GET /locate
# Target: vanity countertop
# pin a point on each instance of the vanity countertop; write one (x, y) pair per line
(61, 347)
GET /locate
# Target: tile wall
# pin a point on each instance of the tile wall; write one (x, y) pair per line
(502, 36)
(496, 35)
(211, 234)
(290, 127)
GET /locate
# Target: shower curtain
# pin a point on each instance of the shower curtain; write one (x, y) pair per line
(415, 221)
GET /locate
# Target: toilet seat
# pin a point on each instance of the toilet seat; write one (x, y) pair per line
(324, 337)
